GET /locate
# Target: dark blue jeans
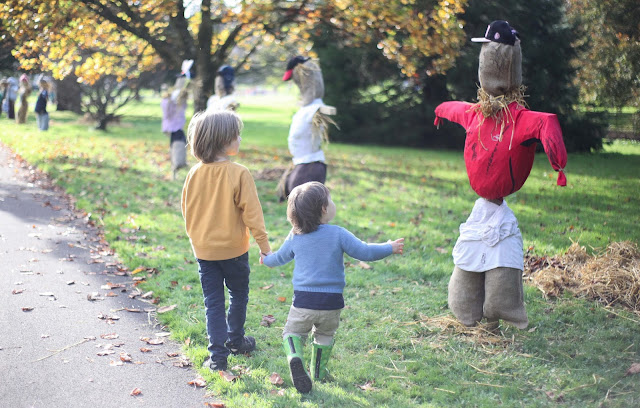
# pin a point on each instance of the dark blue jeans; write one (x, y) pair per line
(221, 326)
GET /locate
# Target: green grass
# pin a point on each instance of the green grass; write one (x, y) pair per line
(575, 353)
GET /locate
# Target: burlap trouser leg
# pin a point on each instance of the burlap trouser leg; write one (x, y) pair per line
(504, 297)
(466, 296)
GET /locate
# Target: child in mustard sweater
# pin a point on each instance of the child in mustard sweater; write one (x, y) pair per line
(220, 206)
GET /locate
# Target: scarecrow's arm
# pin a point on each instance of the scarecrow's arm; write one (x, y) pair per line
(458, 112)
(551, 138)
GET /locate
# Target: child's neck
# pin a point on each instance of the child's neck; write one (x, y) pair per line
(221, 159)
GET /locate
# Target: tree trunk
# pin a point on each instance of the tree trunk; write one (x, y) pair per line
(69, 94)
(204, 77)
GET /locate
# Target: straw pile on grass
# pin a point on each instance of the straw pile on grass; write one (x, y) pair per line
(610, 277)
(483, 334)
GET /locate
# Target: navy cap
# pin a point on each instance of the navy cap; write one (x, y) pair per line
(499, 31)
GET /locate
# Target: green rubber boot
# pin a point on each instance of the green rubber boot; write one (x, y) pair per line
(319, 359)
(294, 350)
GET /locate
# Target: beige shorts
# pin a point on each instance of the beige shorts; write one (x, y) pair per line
(322, 323)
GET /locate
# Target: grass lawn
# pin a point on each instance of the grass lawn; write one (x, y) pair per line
(388, 352)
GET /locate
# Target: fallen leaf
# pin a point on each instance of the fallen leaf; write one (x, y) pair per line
(165, 309)
(125, 357)
(94, 296)
(105, 352)
(214, 404)
(187, 341)
(163, 334)
(115, 363)
(277, 392)
(172, 354)
(634, 369)
(71, 282)
(145, 350)
(198, 382)
(442, 250)
(111, 294)
(282, 299)
(368, 386)
(267, 287)
(174, 283)
(364, 265)
(27, 309)
(109, 336)
(267, 320)
(136, 391)
(17, 291)
(187, 287)
(44, 336)
(153, 342)
(137, 270)
(228, 375)
(275, 379)
(132, 310)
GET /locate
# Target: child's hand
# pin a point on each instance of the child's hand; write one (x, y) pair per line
(397, 246)
(262, 256)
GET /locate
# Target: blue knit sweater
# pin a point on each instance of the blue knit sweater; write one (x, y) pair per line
(319, 257)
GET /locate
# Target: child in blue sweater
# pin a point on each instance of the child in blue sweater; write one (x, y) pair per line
(318, 276)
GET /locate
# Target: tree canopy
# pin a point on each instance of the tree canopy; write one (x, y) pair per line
(609, 67)
(123, 38)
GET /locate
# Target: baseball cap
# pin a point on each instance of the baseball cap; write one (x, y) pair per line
(499, 31)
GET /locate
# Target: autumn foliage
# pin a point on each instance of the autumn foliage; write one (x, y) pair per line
(93, 38)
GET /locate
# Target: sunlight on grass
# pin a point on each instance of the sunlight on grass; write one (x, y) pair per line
(575, 353)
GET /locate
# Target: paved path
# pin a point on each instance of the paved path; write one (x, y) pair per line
(51, 335)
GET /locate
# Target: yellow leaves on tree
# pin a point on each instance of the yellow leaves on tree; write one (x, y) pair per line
(65, 37)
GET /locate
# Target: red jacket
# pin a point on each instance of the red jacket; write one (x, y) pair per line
(499, 168)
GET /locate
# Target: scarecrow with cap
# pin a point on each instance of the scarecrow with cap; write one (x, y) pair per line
(309, 127)
(174, 108)
(499, 151)
(223, 97)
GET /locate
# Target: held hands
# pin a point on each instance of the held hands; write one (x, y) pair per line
(262, 256)
(397, 246)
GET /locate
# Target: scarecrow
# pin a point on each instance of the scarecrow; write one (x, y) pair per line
(174, 107)
(224, 87)
(498, 153)
(309, 127)
(23, 94)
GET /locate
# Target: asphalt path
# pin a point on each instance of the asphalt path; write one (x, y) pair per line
(74, 331)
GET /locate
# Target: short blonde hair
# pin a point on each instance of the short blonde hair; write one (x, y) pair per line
(210, 132)
(44, 84)
(306, 205)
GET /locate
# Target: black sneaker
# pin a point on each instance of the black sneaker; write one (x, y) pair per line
(215, 366)
(246, 345)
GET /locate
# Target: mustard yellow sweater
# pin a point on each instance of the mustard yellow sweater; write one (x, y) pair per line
(220, 205)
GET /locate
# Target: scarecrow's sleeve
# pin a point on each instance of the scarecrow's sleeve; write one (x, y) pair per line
(550, 134)
(458, 112)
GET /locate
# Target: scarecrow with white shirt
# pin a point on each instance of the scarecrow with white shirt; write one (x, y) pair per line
(223, 97)
(309, 127)
(499, 150)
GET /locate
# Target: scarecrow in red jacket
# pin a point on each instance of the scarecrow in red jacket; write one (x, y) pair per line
(499, 151)
(309, 127)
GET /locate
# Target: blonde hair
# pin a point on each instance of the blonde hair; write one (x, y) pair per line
(306, 205)
(210, 132)
(44, 84)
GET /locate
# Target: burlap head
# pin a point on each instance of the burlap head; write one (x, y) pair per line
(500, 68)
(219, 87)
(308, 77)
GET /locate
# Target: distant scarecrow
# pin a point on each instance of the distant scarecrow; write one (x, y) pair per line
(223, 97)
(309, 127)
(499, 152)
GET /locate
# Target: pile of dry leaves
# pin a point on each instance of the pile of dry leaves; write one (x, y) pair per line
(610, 277)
